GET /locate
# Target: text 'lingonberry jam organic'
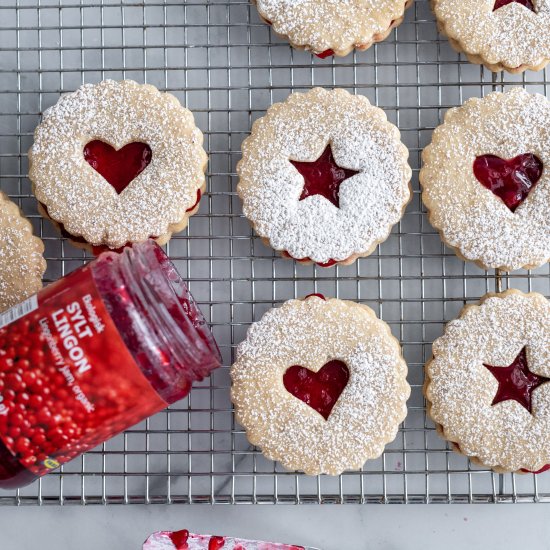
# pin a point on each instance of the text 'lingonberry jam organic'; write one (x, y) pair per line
(94, 353)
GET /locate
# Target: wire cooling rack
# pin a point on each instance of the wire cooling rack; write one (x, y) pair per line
(224, 64)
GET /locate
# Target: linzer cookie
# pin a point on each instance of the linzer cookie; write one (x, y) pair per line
(326, 27)
(320, 385)
(487, 385)
(510, 35)
(21, 256)
(117, 163)
(486, 182)
(324, 177)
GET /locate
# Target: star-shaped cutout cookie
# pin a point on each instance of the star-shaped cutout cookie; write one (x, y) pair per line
(323, 177)
(516, 381)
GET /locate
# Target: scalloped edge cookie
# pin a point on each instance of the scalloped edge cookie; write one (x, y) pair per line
(493, 51)
(323, 37)
(311, 332)
(470, 219)
(500, 461)
(23, 264)
(362, 139)
(157, 203)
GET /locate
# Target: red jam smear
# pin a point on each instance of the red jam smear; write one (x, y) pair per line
(516, 381)
(320, 390)
(323, 177)
(118, 167)
(501, 3)
(511, 180)
(179, 539)
(216, 543)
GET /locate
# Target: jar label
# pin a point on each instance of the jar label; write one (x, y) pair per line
(67, 380)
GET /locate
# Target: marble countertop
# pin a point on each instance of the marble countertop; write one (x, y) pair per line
(392, 527)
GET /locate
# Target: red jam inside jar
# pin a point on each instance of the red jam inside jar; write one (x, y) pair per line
(93, 354)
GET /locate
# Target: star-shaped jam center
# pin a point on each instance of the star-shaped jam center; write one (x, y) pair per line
(516, 381)
(323, 177)
(501, 3)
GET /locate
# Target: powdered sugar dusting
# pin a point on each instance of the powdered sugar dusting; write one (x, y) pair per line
(21, 261)
(461, 389)
(511, 36)
(117, 113)
(362, 139)
(310, 333)
(470, 217)
(338, 25)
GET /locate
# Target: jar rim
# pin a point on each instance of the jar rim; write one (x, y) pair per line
(170, 328)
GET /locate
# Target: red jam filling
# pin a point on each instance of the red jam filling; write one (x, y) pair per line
(97, 250)
(330, 263)
(510, 180)
(516, 381)
(325, 54)
(118, 167)
(501, 3)
(320, 390)
(322, 296)
(323, 177)
(541, 471)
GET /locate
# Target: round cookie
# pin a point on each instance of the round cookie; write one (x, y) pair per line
(116, 163)
(486, 180)
(22, 264)
(509, 35)
(324, 176)
(487, 383)
(326, 28)
(320, 385)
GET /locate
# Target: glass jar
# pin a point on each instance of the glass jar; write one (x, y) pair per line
(94, 353)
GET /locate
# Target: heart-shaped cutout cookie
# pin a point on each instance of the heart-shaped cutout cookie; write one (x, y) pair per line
(511, 180)
(118, 167)
(320, 390)
(501, 3)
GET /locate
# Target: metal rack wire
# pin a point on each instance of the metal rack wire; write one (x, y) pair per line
(226, 66)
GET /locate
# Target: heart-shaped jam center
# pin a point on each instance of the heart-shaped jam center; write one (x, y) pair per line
(323, 177)
(118, 167)
(501, 3)
(510, 180)
(320, 390)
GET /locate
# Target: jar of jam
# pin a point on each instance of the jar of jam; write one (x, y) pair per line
(94, 353)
